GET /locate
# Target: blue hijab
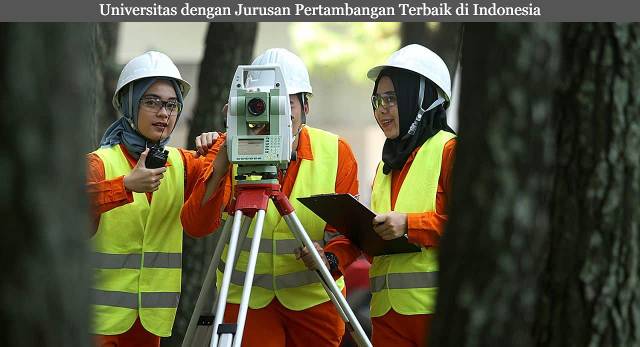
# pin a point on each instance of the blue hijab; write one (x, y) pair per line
(122, 130)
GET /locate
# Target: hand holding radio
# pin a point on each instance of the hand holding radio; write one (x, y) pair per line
(142, 179)
(157, 157)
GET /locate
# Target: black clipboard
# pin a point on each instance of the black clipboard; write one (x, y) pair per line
(353, 219)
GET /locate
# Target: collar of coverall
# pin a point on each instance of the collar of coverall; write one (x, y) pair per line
(304, 145)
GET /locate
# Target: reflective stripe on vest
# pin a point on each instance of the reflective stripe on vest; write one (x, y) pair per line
(404, 281)
(278, 273)
(266, 281)
(132, 261)
(281, 246)
(115, 299)
(138, 253)
(130, 300)
(163, 260)
(116, 261)
(408, 282)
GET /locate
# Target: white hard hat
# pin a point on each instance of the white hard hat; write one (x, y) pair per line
(421, 60)
(294, 72)
(149, 64)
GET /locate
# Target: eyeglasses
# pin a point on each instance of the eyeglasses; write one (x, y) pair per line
(386, 100)
(155, 104)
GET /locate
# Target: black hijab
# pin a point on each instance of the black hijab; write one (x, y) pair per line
(407, 87)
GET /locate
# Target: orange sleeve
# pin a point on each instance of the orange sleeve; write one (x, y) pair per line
(346, 182)
(426, 228)
(193, 168)
(104, 195)
(347, 177)
(199, 219)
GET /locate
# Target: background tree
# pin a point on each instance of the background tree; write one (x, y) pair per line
(106, 74)
(490, 253)
(590, 287)
(443, 38)
(227, 46)
(47, 81)
(518, 268)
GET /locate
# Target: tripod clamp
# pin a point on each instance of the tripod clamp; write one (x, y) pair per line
(251, 197)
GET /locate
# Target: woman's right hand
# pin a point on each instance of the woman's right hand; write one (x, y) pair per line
(143, 180)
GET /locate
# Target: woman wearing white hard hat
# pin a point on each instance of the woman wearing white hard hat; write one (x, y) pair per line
(288, 304)
(410, 191)
(137, 245)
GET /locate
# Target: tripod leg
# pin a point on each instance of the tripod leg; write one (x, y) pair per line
(231, 334)
(226, 334)
(359, 337)
(327, 281)
(248, 279)
(226, 278)
(244, 230)
(202, 313)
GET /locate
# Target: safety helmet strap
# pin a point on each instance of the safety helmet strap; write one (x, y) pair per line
(130, 97)
(421, 111)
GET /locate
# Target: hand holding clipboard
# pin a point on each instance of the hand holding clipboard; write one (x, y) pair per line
(356, 222)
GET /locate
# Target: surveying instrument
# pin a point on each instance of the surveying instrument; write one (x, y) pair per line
(258, 155)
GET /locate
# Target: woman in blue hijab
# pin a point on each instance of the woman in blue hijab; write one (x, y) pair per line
(137, 244)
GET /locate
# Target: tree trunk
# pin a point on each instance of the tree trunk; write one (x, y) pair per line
(591, 289)
(585, 293)
(490, 253)
(228, 45)
(443, 38)
(47, 79)
(106, 41)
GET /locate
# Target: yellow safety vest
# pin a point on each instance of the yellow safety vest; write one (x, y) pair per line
(278, 273)
(138, 253)
(408, 282)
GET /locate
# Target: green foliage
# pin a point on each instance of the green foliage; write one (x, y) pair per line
(353, 48)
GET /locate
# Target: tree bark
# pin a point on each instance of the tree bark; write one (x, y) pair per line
(106, 41)
(228, 45)
(585, 290)
(46, 78)
(591, 292)
(498, 221)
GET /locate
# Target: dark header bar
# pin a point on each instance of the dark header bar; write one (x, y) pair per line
(328, 11)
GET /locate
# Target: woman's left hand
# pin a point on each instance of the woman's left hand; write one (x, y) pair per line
(390, 225)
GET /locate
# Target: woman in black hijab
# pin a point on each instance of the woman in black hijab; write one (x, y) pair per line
(410, 191)
(406, 85)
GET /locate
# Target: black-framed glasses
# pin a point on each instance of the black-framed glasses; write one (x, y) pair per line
(155, 104)
(386, 100)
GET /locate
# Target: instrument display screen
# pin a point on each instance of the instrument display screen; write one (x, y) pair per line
(250, 146)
